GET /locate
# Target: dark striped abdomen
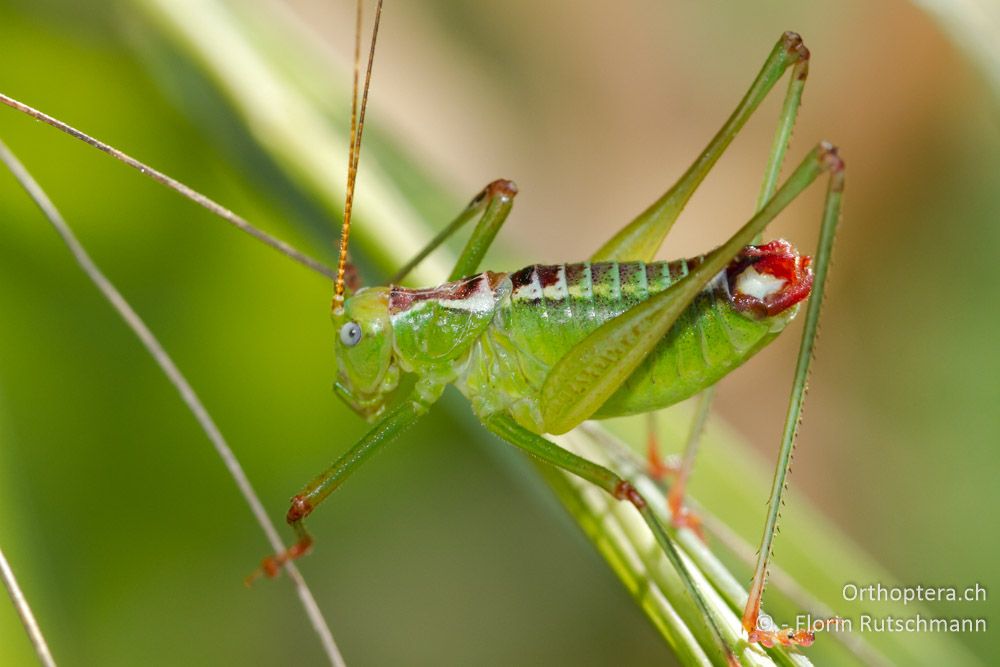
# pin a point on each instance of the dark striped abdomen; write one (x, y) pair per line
(550, 308)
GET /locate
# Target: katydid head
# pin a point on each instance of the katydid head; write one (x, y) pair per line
(366, 368)
(768, 280)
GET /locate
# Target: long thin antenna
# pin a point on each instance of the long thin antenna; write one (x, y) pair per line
(354, 154)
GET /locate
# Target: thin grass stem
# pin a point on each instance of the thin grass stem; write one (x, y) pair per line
(175, 185)
(24, 611)
(188, 395)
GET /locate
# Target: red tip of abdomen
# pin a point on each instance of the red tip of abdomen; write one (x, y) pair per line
(768, 279)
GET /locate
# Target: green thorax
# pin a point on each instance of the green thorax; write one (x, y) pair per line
(435, 329)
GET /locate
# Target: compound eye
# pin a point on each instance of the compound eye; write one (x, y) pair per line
(350, 334)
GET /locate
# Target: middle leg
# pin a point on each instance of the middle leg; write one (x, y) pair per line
(507, 429)
(492, 205)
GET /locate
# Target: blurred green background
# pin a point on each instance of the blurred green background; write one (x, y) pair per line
(127, 535)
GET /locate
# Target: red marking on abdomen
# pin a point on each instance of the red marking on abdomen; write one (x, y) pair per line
(780, 260)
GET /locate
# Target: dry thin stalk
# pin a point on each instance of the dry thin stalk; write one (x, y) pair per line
(24, 611)
(187, 393)
(175, 185)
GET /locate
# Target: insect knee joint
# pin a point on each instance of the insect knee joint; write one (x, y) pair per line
(795, 46)
(300, 509)
(625, 491)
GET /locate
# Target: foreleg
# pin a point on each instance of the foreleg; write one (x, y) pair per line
(314, 493)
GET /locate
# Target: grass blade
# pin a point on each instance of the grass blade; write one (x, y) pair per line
(974, 27)
(187, 393)
(24, 611)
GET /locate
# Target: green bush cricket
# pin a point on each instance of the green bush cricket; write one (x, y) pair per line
(599, 366)
(542, 349)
